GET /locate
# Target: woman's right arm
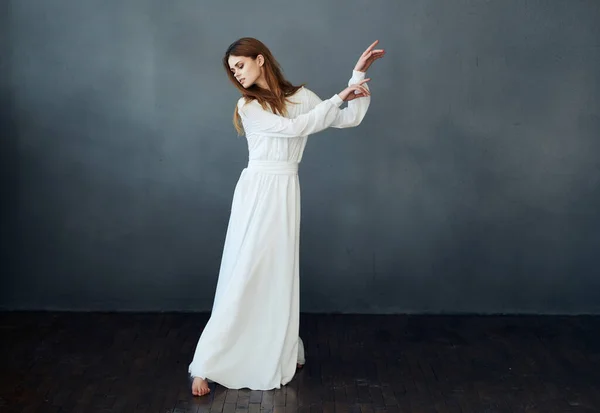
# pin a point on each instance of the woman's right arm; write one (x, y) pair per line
(257, 120)
(324, 114)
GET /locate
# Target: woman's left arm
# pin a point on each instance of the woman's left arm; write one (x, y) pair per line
(357, 108)
(353, 114)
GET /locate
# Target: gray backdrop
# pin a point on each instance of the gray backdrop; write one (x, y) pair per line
(473, 184)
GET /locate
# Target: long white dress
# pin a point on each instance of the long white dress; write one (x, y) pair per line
(252, 337)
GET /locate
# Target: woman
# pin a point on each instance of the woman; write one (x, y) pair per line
(251, 339)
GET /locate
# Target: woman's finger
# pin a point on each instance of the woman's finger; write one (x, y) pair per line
(371, 47)
(363, 87)
(377, 54)
(361, 90)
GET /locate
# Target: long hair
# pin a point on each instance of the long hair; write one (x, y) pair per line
(279, 88)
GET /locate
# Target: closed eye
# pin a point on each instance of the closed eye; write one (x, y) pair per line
(240, 65)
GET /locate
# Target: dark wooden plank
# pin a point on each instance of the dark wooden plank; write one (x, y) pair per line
(279, 398)
(256, 397)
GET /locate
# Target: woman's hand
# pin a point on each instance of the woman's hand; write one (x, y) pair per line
(355, 91)
(368, 57)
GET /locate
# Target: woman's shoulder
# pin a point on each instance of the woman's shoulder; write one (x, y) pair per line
(302, 94)
(245, 103)
(241, 102)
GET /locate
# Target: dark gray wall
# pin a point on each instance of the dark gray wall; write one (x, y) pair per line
(473, 184)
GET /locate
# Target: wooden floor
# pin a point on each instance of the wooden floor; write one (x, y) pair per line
(73, 362)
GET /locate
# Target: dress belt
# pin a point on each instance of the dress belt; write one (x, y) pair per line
(273, 167)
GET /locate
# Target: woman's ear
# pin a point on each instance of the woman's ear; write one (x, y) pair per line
(260, 60)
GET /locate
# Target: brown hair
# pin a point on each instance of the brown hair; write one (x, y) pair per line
(279, 88)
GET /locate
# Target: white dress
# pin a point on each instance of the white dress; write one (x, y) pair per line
(252, 337)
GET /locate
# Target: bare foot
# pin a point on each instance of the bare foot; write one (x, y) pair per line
(200, 387)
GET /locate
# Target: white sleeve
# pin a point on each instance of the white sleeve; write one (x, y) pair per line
(257, 120)
(357, 109)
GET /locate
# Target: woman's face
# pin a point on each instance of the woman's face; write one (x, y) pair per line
(246, 69)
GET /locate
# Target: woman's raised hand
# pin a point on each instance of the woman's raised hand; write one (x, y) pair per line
(368, 57)
(355, 91)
